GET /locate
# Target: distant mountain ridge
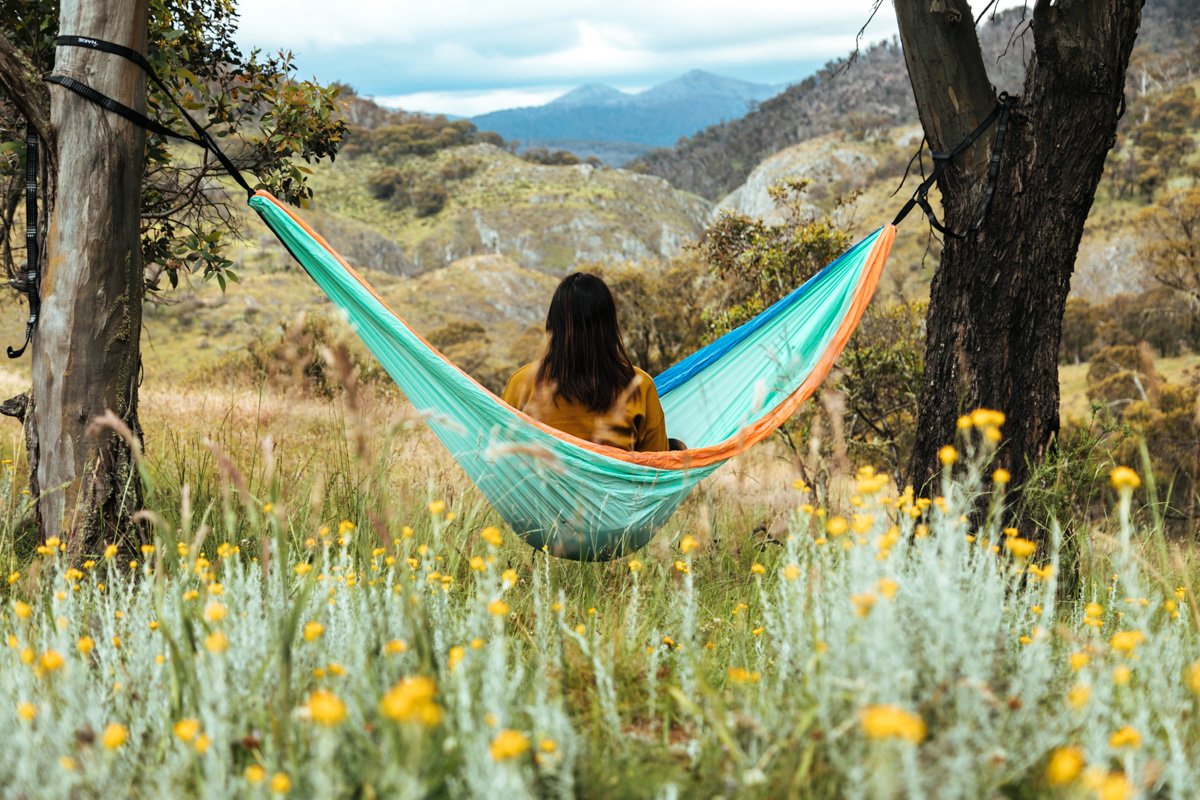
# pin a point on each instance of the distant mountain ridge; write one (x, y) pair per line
(596, 119)
(872, 94)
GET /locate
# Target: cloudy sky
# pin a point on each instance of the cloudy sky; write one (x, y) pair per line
(471, 56)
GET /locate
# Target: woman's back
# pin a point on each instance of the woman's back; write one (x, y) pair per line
(584, 383)
(633, 422)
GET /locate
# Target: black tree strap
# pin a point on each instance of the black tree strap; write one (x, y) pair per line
(920, 197)
(31, 279)
(201, 138)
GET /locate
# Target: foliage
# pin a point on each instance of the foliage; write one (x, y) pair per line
(1151, 413)
(468, 346)
(758, 263)
(302, 359)
(661, 307)
(1173, 249)
(1162, 317)
(897, 651)
(265, 119)
(1156, 143)
(407, 187)
(879, 375)
(417, 135)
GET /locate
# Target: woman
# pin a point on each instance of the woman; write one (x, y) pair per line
(584, 383)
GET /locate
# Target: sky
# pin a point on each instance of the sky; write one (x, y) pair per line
(467, 57)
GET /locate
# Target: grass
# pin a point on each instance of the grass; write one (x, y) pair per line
(757, 648)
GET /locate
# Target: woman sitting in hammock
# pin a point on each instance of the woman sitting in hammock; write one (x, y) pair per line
(584, 384)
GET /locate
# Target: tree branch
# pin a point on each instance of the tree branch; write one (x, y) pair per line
(21, 82)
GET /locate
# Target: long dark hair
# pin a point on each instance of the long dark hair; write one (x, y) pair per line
(585, 360)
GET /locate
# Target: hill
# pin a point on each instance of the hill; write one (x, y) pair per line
(871, 94)
(598, 120)
(415, 214)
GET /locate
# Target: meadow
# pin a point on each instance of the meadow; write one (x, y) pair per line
(323, 607)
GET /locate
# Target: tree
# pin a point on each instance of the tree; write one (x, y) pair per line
(998, 295)
(1173, 254)
(134, 211)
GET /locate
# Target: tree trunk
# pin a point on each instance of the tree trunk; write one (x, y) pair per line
(997, 298)
(86, 353)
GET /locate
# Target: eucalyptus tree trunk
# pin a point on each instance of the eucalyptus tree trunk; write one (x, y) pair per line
(997, 298)
(86, 349)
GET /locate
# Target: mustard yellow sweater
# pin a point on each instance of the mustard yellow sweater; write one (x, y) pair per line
(635, 422)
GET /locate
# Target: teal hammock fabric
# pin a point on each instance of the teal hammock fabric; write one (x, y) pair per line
(575, 498)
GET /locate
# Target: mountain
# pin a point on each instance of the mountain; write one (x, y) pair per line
(615, 126)
(866, 96)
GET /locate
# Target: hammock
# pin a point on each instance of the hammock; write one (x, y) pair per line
(574, 498)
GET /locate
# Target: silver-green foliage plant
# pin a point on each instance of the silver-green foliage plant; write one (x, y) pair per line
(896, 647)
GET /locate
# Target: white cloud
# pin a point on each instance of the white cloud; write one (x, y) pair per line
(469, 103)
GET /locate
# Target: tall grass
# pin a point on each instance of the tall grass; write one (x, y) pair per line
(324, 608)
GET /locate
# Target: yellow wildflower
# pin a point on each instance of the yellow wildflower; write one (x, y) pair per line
(214, 612)
(1079, 661)
(687, 544)
(508, 744)
(948, 455)
(85, 644)
(635, 565)
(1126, 641)
(891, 722)
(216, 642)
(22, 610)
(757, 569)
(412, 700)
(791, 572)
(395, 646)
(186, 729)
(836, 526)
(455, 656)
(1079, 695)
(1125, 737)
(681, 566)
(887, 587)
(498, 608)
(51, 661)
(254, 774)
(1065, 765)
(1021, 549)
(1001, 476)
(326, 708)
(313, 630)
(437, 507)
(1122, 675)
(301, 569)
(863, 603)
(281, 783)
(1193, 677)
(114, 736)
(1124, 479)
(743, 675)
(26, 711)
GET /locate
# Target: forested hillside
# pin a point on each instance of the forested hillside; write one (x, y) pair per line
(867, 95)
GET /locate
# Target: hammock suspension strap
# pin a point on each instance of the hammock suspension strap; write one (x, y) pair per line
(29, 282)
(201, 137)
(998, 116)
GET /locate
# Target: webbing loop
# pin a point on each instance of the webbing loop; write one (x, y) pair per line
(202, 138)
(32, 260)
(999, 115)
